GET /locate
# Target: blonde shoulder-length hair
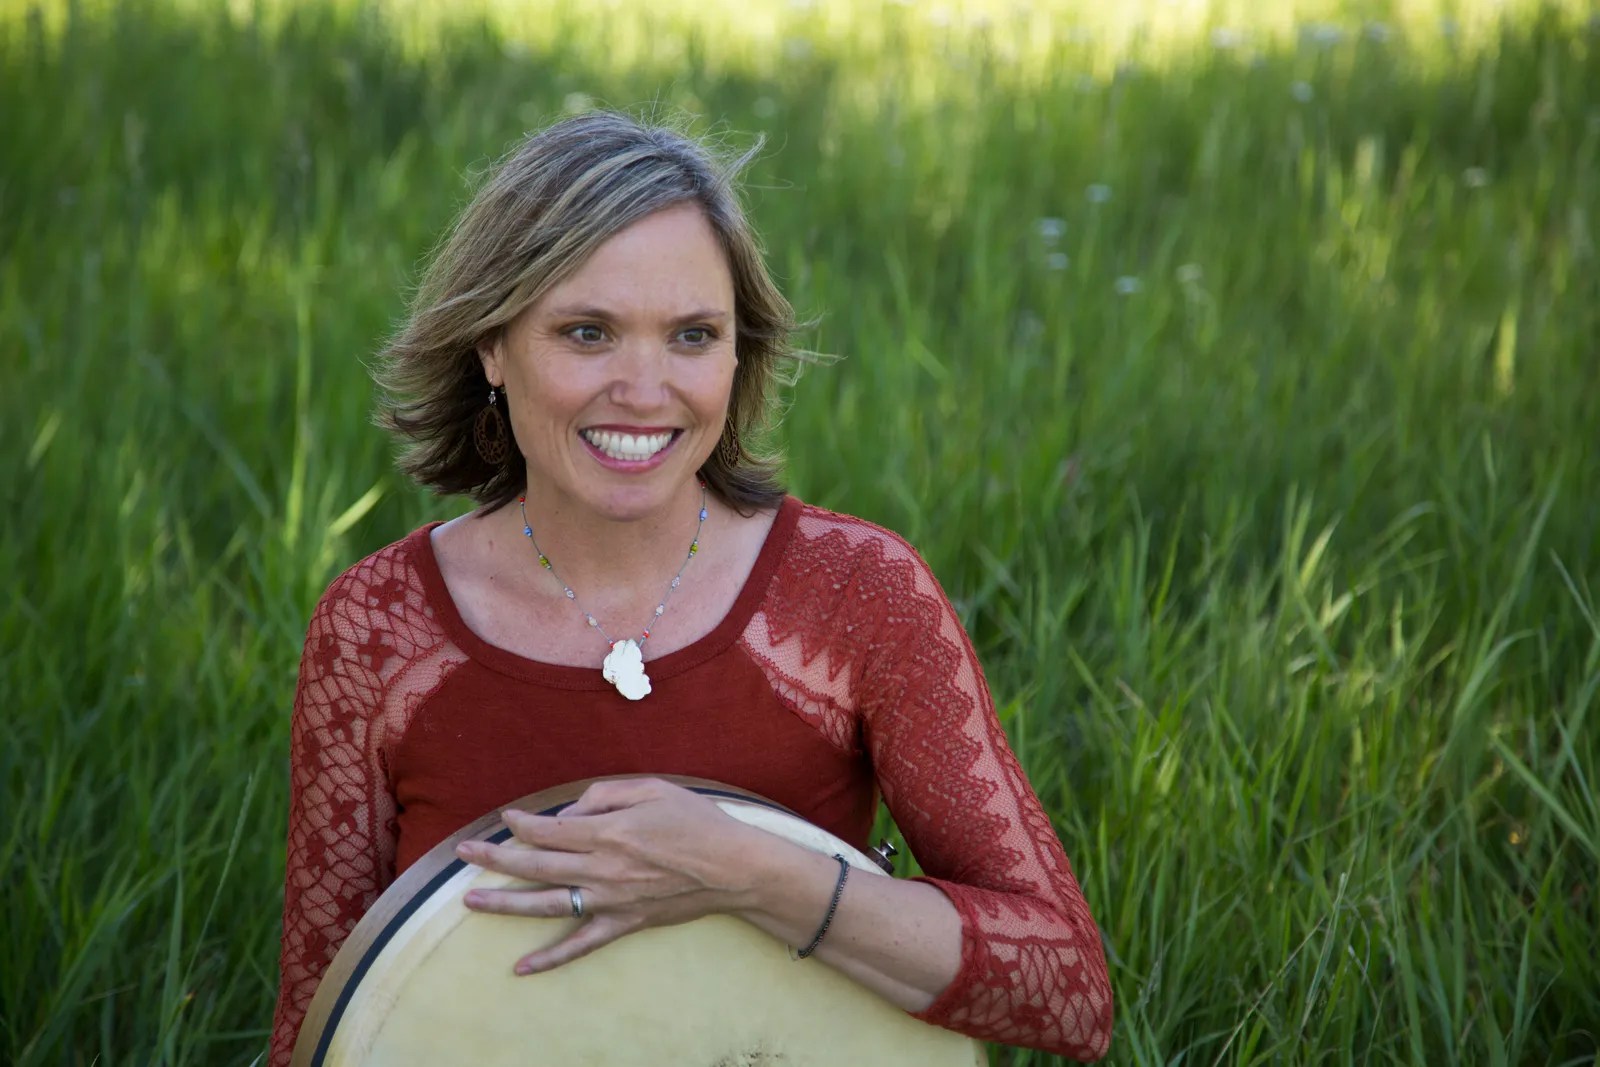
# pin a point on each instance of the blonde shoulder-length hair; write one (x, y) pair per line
(542, 212)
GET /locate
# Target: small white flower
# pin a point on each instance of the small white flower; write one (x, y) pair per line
(1098, 193)
(1474, 177)
(1189, 274)
(1322, 34)
(1127, 285)
(1223, 37)
(1302, 92)
(1058, 261)
(1050, 230)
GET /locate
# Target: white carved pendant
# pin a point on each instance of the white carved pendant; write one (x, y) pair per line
(624, 668)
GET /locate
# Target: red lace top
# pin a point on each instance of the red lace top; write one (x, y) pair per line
(841, 670)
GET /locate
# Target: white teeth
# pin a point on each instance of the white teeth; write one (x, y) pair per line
(626, 445)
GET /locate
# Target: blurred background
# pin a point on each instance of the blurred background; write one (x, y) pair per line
(1233, 364)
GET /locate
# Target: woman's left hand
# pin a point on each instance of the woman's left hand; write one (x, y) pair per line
(641, 851)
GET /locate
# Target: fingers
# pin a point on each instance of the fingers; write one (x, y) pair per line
(597, 932)
(562, 833)
(528, 864)
(616, 794)
(531, 903)
(590, 844)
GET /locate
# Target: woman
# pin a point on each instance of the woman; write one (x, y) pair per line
(637, 595)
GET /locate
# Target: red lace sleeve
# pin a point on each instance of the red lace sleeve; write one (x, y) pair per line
(856, 634)
(341, 815)
(1033, 971)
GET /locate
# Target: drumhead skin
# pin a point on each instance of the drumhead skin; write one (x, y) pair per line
(424, 981)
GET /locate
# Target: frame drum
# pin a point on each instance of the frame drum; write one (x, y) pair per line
(424, 981)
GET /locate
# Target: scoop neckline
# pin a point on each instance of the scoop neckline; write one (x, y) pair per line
(564, 676)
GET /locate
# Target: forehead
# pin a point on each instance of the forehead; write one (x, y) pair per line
(663, 262)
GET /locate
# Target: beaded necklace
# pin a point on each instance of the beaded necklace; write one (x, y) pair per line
(624, 664)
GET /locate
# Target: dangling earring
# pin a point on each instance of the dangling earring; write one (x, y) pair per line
(490, 434)
(729, 450)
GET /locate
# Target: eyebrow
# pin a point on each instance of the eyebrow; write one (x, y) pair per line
(591, 312)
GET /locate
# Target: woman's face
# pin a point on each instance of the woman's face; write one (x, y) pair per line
(617, 380)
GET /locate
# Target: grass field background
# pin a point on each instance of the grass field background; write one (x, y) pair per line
(1233, 365)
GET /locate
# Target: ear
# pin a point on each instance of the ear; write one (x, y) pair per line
(489, 353)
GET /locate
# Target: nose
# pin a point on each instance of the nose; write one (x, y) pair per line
(639, 376)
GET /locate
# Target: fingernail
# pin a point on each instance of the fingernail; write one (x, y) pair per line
(524, 969)
(472, 900)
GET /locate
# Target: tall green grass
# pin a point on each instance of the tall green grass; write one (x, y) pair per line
(1236, 372)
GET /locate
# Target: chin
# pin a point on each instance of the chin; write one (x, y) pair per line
(625, 504)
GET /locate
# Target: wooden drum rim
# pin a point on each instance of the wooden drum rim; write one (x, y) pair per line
(436, 867)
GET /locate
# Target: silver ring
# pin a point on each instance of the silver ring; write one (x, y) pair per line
(577, 901)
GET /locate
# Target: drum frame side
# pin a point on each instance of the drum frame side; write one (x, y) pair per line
(436, 867)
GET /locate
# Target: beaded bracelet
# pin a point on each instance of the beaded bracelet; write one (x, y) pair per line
(827, 920)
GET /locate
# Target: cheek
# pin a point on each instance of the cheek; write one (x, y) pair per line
(554, 389)
(716, 375)
(715, 398)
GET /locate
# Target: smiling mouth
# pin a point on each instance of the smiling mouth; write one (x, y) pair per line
(626, 446)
